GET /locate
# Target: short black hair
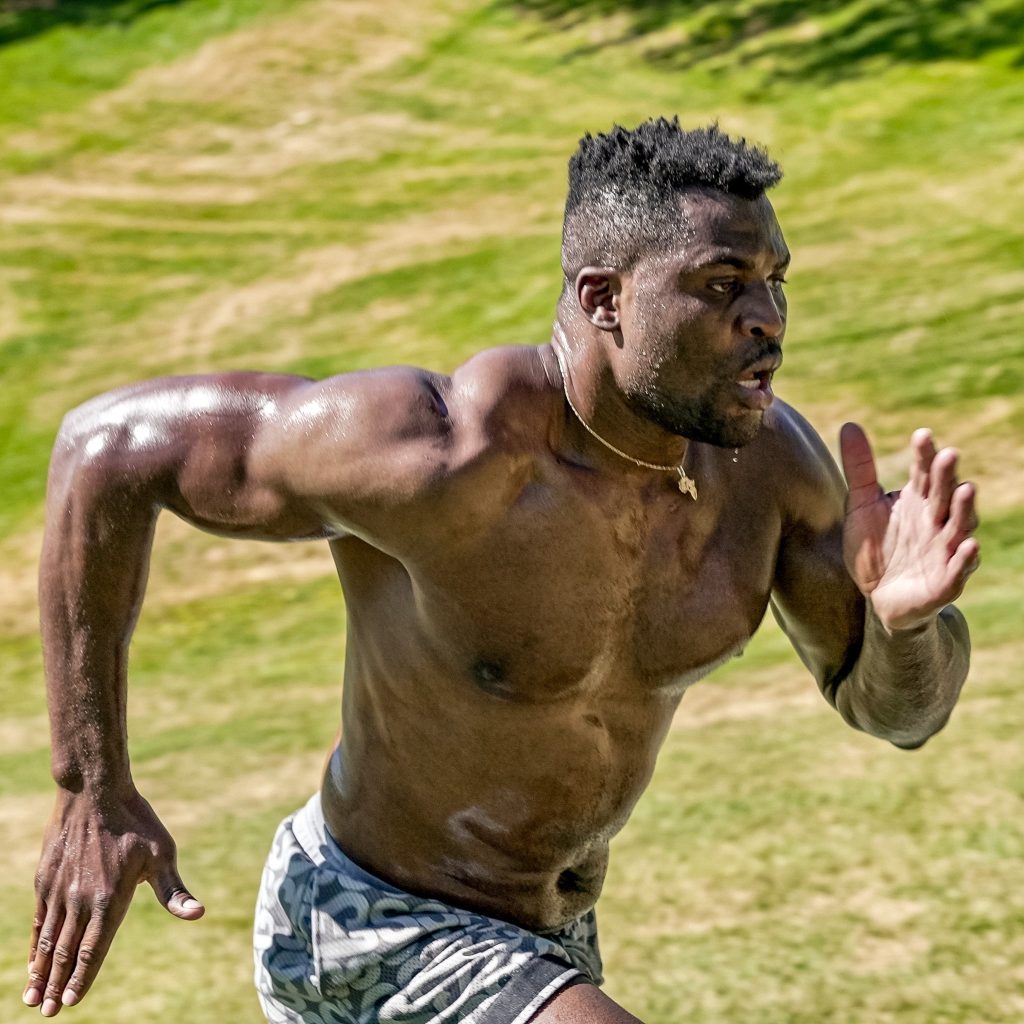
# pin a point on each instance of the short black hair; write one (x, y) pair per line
(624, 187)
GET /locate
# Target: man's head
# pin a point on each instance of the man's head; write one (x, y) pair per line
(671, 248)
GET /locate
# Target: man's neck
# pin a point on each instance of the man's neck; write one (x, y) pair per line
(606, 421)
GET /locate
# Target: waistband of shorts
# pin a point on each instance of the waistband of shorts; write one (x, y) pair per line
(310, 830)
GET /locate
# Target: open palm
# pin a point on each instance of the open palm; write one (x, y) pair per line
(910, 551)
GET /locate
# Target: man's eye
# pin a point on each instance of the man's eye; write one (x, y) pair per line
(778, 280)
(722, 287)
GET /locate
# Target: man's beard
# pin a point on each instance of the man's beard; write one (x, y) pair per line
(701, 418)
(713, 416)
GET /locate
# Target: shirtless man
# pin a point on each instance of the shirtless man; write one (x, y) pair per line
(539, 554)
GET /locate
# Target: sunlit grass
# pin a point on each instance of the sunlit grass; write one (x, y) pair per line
(313, 188)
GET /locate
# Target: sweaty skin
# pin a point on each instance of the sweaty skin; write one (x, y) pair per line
(525, 608)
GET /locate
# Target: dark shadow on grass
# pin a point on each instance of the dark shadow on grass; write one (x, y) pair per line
(825, 40)
(22, 19)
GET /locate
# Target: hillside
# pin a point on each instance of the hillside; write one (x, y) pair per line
(322, 185)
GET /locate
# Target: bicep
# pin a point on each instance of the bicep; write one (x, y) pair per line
(261, 456)
(814, 599)
(818, 607)
(355, 453)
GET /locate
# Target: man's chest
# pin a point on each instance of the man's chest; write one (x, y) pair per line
(565, 587)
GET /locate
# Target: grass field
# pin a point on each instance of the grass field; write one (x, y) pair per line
(319, 186)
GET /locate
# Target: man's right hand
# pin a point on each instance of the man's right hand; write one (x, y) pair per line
(95, 852)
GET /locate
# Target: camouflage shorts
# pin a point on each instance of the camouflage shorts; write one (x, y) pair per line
(335, 945)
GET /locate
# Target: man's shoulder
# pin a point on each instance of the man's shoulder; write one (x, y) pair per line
(497, 401)
(496, 393)
(504, 396)
(790, 435)
(807, 481)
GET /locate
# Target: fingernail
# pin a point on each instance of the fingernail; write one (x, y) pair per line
(70, 997)
(31, 997)
(190, 904)
(50, 1008)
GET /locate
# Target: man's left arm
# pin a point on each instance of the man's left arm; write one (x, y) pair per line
(864, 582)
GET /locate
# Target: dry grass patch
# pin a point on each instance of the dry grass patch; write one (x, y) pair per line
(318, 53)
(26, 734)
(990, 664)
(278, 93)
(275, 781)
(22, 820)
(194, 336)
(19, 562)
(186, 565)
(156, 710)
(108, 182)
(10, 319)
(781, 690)
(189, 565)
(884, 955)
(196, 333)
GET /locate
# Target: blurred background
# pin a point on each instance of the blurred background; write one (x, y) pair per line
(316, 186)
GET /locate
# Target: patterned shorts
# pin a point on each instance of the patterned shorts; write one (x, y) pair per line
(335, 945)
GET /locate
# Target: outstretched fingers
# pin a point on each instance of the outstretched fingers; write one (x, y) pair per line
(942, 483)
(94, 857)
(965, 561)
(33, 994)
(70, 948)
(69, 951)
(63, 961)
(858, 466)
(923, 448)
(92, 949)
(963, 516)
(44, 944)
(38, 920)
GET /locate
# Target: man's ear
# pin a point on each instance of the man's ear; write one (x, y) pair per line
(597, 291)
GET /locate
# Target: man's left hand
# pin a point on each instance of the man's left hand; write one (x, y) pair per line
(910, 552)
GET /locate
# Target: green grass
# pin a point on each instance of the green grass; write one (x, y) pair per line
(201, 185)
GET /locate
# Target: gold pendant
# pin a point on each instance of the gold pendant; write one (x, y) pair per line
(687, 486)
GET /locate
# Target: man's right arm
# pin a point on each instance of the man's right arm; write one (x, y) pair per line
(269, 457)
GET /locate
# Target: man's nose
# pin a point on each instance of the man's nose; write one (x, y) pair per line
(761, 316)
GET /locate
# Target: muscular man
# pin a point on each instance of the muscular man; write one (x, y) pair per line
(539, 554)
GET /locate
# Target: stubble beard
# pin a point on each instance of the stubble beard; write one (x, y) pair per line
(702, 419)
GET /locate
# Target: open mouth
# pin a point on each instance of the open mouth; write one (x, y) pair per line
(754, 386)
(757, 381)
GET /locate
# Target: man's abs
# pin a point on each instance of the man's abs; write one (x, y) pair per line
(506, 811)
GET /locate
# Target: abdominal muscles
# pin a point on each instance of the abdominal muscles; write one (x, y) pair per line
(499, 806)
(500, 726)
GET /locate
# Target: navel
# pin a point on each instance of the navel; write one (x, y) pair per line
(570, 881)
(489, 676)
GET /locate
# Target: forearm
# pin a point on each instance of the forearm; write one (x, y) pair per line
(904, 685)
(93, 570)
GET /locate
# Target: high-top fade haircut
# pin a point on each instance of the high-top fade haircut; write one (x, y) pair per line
(624, 188)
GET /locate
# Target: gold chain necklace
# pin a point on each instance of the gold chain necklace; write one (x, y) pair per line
(687, 485)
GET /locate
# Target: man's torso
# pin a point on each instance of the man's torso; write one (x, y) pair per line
(511, 673)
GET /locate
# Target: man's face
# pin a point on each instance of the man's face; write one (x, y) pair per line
(703, 321)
